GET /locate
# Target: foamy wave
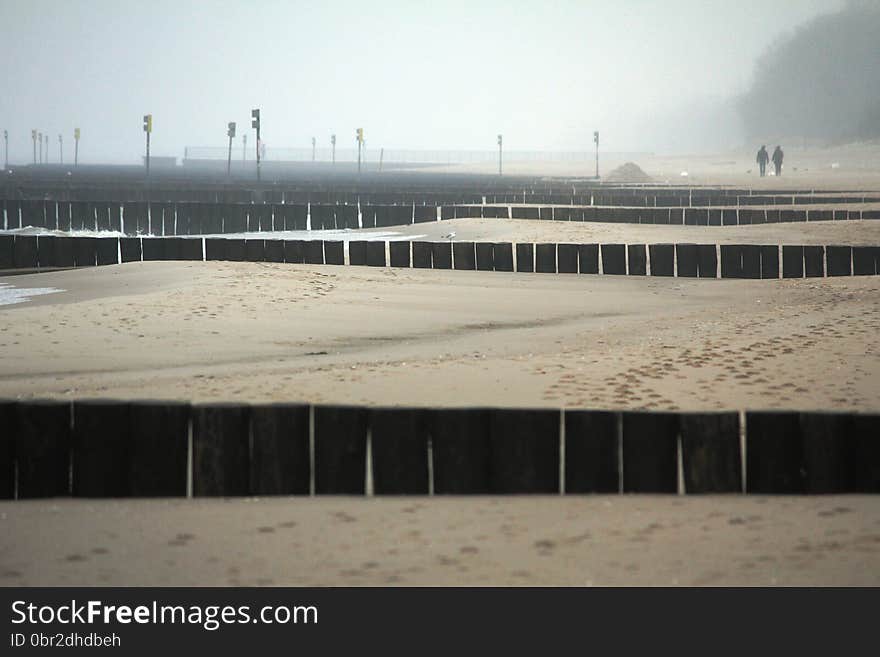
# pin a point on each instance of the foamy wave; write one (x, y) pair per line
(33, 230)
(9, 294)
(345, 235)
(307, 235)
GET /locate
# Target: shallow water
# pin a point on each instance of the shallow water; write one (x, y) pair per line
(9, 294)
(345, 235)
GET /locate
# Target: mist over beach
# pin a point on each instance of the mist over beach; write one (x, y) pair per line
(468, 294)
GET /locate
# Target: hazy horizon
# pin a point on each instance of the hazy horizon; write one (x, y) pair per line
(448, 76)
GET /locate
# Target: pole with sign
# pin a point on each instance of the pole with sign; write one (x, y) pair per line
(230, 132)
(148, 128)
(255, 123)
(500, 139)
(360, 141)
(75, 146)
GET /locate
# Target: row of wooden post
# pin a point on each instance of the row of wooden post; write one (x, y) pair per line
(172, 219)
(508, 191)
(683, 260)
(115, 448)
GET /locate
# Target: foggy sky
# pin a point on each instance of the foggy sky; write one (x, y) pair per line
(824, 81)
(421, 75)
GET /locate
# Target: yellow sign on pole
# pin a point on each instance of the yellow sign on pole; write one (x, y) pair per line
(76, 133)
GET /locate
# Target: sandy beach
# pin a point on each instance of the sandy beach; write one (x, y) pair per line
(806, 167)
(506, 300)
(261, 332)
(519, 541)
(856, 232)
(268, 332)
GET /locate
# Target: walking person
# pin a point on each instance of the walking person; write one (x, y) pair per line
(778, 155)
(762, 160)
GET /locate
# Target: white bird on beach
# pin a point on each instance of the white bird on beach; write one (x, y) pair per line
(450, 236)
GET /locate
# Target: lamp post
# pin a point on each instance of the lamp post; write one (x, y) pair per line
(333, 148)
(75, 146)
(500, 140)
(255, 123)
(6, 153)
(148, 129)
(60, 149)
(40, 136)
(596, 140)
(230, 132)
(34, 139)
(313, 149)
(360, 143)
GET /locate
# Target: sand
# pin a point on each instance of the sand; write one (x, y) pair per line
(269, 332)
(629, 172)
(260, 332)
(856, 232)
(519, 541)
(804, 168)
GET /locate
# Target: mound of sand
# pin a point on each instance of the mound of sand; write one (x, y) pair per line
(628, 173)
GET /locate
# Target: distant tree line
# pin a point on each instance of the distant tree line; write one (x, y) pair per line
(822, 81)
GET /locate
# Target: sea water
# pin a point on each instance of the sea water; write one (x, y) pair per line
(9, 294)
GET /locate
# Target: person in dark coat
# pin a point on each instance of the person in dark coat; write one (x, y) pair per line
(777, 160)
(762, 160)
